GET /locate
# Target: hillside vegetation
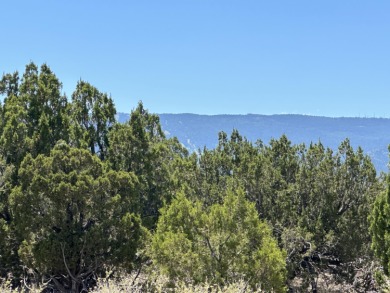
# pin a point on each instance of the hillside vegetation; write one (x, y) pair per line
(86, 201)
(196, 131)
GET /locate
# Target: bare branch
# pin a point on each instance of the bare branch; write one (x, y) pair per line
(136, 276)
(59, 286)
(66, 265)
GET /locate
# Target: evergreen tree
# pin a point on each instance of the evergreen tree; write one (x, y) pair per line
(220, 244)
(93, 114)
(140, 146)
(379, 228)
(14, 140)
(74, 216)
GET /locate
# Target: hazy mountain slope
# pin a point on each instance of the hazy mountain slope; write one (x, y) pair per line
(197, 131)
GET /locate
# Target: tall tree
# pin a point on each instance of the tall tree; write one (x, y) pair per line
(39, 94)
(14, 140)
(9, 84)
(93, 114)
(140, 146)
(29, 94)
(54, 106)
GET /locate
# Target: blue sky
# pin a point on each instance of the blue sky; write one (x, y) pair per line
(328, 58)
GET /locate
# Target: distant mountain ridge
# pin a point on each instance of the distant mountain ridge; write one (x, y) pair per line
(196, 131)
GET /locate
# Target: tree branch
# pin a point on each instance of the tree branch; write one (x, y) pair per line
(66, 265)
(59, 286)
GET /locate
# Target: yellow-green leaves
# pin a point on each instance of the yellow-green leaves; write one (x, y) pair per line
(379, 229)
(222, 243)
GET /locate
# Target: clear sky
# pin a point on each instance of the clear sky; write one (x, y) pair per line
(328, 58)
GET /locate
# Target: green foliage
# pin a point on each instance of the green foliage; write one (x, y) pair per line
(222, 243)
(140, 146)
(311, 196)
(46, 107)
(9, 84)
(331, 193)
(77, 190)
(379, 228)
(74, 216)
(14, 132)
(8, 255)
(93, 113)
(34, 115)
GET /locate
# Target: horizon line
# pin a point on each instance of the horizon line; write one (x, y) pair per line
(275, 114)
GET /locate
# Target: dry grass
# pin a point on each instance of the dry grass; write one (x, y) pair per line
(162, 285)
(129, 283)
(6, 287)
